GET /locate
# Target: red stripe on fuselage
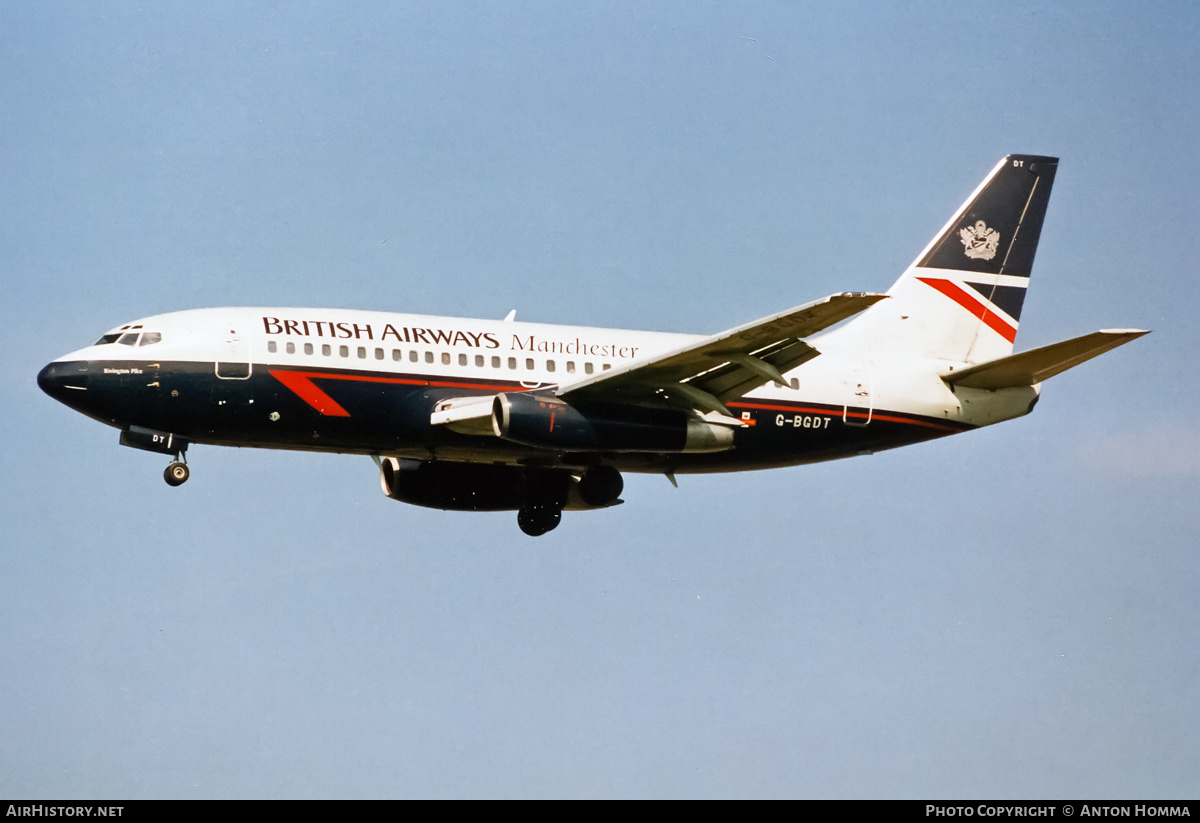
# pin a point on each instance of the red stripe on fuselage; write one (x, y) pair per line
(890, 418)
(993, 321)
(301, 383)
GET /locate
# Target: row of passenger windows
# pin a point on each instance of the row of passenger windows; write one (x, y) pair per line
(415, 356)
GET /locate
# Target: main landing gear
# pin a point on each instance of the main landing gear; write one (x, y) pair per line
(177, 473)
(538, 518)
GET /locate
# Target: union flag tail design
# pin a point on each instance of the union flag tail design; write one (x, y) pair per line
(961, 299)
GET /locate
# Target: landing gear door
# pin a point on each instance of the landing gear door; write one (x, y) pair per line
(235, 354)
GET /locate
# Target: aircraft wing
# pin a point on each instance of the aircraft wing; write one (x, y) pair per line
(725, 366)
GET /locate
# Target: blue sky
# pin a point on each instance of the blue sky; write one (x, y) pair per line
(1008, 613)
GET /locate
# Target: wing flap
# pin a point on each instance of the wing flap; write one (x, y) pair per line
(739, 373)
(1037, 365)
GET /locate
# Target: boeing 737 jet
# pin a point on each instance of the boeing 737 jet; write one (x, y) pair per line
(488, 415)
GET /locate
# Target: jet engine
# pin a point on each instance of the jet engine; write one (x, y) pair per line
(453, 486)
(540, 495)
(548, 423)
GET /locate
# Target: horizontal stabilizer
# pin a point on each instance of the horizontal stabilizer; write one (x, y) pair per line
(1037, 365)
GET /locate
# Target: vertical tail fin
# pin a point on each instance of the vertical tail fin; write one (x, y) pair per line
(961, 299)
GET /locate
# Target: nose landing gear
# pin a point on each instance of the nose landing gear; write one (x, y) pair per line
(152, 440)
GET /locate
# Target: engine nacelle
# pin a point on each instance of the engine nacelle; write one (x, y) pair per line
(486, 488)
(548, 423)
(453, 486)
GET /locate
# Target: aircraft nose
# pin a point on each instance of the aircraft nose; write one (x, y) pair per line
(61, 379)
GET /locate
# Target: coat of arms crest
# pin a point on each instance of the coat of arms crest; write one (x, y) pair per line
(980, 241)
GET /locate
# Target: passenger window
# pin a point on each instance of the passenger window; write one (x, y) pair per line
(587, 368)
(362, 352)
(308, 348)
(344, 351)
(291, 348)
(395, 354)
(445, 358)
(495, 362)
(607, 366)
(150, 338)
(479, 360)
(570, 367)
(379, 354)
(428, 357)
(462, 360)
(326, 349)
(271, 346)
(412, 355)
(529, 363)
(512, 362)
(549, 365)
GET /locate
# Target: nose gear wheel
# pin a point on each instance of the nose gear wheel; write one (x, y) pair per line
(176, 474)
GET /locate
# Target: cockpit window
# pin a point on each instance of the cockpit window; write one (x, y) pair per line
(129, 336)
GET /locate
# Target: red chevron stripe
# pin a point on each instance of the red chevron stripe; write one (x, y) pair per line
(976, 307)
(301, 383)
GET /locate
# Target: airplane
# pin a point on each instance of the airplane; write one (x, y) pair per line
(495, 415)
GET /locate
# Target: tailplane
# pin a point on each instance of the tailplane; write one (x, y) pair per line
(961, 298)
(1032, 367)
